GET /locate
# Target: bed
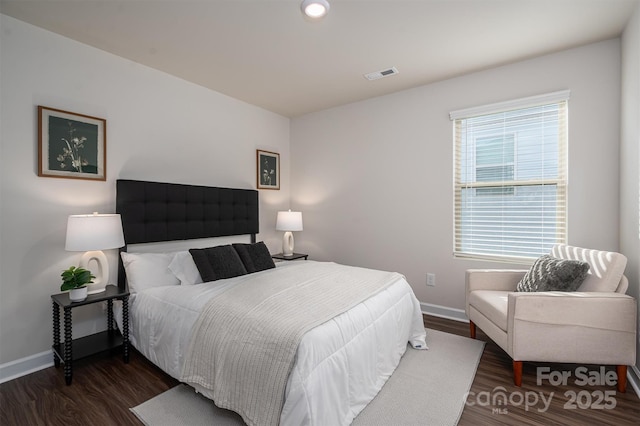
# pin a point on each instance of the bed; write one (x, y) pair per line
(344, 343)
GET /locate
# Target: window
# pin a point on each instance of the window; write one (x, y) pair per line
(494, 162)
(510, 178)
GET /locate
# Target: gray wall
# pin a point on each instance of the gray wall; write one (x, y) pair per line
(374, 178)
(159, 128)
(630, 160)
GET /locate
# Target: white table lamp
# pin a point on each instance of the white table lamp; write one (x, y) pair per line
(93, 233)
(288, 222)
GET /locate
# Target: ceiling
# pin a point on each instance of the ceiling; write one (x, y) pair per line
(265, 53)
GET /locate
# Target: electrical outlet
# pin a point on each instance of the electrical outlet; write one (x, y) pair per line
(431, 280)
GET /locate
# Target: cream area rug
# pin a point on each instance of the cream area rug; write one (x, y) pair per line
(427, 388)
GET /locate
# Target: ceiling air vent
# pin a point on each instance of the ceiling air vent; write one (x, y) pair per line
(380, 74)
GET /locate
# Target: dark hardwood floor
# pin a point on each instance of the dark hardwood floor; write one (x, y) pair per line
(494, 377)
(104, 388)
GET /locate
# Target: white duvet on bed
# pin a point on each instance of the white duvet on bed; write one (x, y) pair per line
(340, 366)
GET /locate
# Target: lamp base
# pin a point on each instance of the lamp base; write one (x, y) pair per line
(287, 244)
(102, 273)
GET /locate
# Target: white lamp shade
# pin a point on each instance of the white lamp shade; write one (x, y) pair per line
(289, 221)
(86, 232)
(93, 233)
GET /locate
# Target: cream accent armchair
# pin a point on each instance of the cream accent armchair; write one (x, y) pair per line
(594, 325)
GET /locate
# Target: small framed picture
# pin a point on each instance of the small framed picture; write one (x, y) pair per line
(268, 170)
(71, 145)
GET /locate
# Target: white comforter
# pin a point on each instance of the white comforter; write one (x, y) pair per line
(355, 352)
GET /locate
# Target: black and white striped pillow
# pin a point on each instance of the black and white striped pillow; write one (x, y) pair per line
(551, 274)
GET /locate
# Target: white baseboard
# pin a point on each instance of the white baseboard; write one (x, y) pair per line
(27, 365)
(444, 312)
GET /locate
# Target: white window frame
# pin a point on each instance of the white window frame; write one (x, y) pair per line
(560, 98)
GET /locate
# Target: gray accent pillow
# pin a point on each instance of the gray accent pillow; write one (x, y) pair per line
(551, 274)
(255, 257)
(216, 263)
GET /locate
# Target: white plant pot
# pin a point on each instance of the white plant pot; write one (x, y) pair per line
(78, 294)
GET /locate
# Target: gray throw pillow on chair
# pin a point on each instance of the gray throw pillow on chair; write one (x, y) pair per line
(551, 274)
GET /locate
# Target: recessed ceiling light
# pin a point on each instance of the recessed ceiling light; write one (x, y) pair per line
(315, 9)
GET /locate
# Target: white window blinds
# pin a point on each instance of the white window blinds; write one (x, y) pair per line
(511, 177)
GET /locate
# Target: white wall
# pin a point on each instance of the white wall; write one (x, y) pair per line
(159, 128)
(374, 178)
(630, 159)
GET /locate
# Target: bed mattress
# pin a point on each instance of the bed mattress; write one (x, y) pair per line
(340, 365)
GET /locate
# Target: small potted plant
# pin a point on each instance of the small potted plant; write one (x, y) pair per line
(76, 280)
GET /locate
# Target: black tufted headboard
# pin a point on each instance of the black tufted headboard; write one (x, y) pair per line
(154, 211)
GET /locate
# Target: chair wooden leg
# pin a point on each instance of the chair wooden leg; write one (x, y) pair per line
(622, 378)
(472, 329)
(517, 373)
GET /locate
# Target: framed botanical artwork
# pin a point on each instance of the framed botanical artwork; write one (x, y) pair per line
(71, 145)
(268, 166)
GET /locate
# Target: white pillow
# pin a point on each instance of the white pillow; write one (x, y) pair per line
(147, 270)
(185, 269)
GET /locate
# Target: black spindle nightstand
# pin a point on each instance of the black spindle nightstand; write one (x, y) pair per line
(70, 349)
